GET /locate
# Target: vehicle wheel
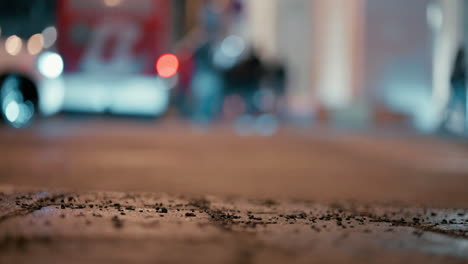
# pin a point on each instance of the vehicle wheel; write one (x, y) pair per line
(18, 99)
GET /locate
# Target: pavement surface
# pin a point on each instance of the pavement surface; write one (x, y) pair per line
(118, 191)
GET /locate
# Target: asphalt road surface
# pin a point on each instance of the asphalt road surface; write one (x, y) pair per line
(113, 190)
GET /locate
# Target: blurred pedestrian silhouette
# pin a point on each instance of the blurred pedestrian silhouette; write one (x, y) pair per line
(244, 79)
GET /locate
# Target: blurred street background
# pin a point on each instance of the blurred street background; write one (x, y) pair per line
(258, 129)
(357, 64)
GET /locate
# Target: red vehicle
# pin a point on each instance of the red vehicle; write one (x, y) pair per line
(110, 56)
(110, 49)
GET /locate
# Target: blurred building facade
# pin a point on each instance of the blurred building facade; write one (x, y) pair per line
(363, 61)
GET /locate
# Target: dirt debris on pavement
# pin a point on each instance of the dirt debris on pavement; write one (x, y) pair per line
(59, 226)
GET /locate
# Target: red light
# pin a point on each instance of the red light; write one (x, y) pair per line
(167, 65)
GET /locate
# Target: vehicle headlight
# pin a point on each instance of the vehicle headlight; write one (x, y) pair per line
(50, 64)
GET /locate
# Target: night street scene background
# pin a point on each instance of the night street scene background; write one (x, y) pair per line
(233, 131)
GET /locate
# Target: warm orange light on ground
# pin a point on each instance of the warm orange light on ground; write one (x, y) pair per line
(167, 65)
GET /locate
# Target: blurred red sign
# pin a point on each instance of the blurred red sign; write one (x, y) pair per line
(116, 36)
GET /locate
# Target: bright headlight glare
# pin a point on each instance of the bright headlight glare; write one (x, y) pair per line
(50, 64)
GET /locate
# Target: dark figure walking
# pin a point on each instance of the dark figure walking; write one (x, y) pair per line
(244, 79)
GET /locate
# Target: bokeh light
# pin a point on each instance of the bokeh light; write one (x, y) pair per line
(49, 35)
(266, 125)
(50, 64)
(229, 51)
(167, 65)
(233, 46)
(12, 111)
(13, 45)
(35, 44)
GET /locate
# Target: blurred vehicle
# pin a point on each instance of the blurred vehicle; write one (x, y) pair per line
(106, 56)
